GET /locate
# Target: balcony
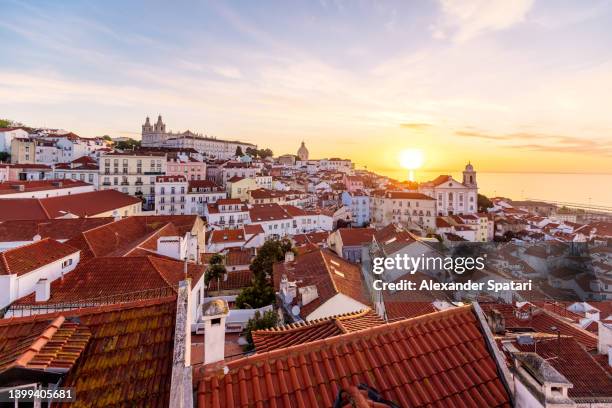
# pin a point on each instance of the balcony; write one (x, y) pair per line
(138, 183)
(125, 183)
(153, 173)
(106, 183)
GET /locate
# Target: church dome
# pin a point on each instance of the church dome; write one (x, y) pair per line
(469, 167)
(303, 152)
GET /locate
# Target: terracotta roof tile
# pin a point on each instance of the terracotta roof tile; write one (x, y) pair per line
(356, 236)
(328, 272)
(590, 380)
(303, 332)
(440, 359)
(59, 229)
(26, 258)
(122, 277)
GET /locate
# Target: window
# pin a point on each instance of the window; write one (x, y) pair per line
(67, 263)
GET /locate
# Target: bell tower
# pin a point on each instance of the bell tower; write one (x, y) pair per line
(160, 127)
(147, 128)
(469, 176)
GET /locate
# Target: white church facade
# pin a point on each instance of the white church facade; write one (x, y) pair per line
(452, 196)
(156, 135)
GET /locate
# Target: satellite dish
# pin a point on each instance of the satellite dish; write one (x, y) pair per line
(295, 310)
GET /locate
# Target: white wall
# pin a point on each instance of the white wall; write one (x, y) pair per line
(338, 304)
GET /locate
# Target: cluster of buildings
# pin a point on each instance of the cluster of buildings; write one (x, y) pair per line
(103, 285)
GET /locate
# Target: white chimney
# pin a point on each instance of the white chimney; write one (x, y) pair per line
(214, 315)
(43, 290)
(172, 247)
(604, 337)
(289, 256)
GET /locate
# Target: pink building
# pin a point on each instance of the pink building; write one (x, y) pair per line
(189, 168)
(353, 183)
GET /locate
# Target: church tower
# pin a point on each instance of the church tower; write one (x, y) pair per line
(160, 127)
(469, 176)
(302, 152)
(147, 128)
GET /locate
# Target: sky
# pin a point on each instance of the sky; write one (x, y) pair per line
(512, 86)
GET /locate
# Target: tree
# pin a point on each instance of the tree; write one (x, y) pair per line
(483, 203)
(239, 151)
(261, 293)
(268, 320)
(215, 269)
(128, 144)
(107, 137)
(4, 123)
(263, 153)
(251, 152)
(5, 157)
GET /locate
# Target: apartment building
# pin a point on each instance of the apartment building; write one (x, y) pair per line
(133, 173)
(403, 207)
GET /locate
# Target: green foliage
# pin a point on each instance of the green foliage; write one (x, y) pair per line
(215, 269)
(239, 151)
(5, 157)
(128, 144)
(4, 123)
(261, 153)
(483, 203)
(107, 137)
(261, 292)
(259, 322)
(271, 252)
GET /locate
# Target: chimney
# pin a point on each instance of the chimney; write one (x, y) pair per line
(604, 337)
(496, 322)
(181, 395)
(289, 256)
(43, 290)
(542, 380)
(214, 314)
(172, 247)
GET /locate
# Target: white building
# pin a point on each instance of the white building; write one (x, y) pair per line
(227, 213)
(8, 134)
(359, 203)
(48, 260)
(453, 197)
(403, 207)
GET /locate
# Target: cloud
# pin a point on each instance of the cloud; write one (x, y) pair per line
(547, 143)
(465, 19)
(415, 126)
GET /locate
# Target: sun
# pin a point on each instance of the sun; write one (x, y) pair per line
(411, 159)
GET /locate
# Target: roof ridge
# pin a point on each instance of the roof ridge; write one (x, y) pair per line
(40, 342)
(293, 327)
(42, 206)
(371, 331)
(149, 236)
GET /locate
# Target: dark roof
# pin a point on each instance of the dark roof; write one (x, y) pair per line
(117, 355)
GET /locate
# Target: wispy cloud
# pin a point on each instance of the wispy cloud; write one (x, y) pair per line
(463, 20)
(546, 142)
(416, 126)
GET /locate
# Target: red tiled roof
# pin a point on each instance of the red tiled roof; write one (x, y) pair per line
(317, 238)
(60, 229)
(590, 380)
(27, 258)
(304, 332)
(253, 229)
(541, 321)
(22, 209)
(127, 360)
(328, 272)
(227, 235)
(53, 344)
(236, 257)
(235, 280)
(9, 187)
(268, 212)
(440, 359)
(356, 236)
(112, 276)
